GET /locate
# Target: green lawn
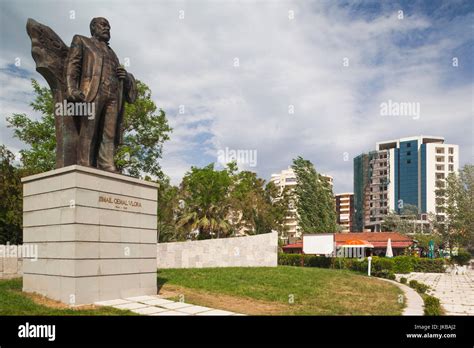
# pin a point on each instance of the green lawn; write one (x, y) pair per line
(14, 302)
(262, 290)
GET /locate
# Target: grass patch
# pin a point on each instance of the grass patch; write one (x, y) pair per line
(314, 291)
(14, 302)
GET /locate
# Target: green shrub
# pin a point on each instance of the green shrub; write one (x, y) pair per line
(289, 259)
(384, 274)
(318, 261)
(381, 264)
(397, 264)
(403, 264)
(403, 280)
(428, 265)
(421, 288)
(432, 306)
(462, 258)
(307, 260)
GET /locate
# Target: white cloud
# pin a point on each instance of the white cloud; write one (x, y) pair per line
(282, 62)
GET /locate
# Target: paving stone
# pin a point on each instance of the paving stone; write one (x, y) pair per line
(455, 291)
(140, 298)
(149, 310)
(170, 313)
(154, 305)
(216, 312)
(175, 305)
(157, 302)
(194, 309)
(111, 302)
(131, 305)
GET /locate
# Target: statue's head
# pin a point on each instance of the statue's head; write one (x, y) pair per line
(100, 28)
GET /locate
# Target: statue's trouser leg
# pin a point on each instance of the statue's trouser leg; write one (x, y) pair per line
(89, 134)
(105, 158)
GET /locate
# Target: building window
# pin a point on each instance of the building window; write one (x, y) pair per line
(451, 168)
(451, 150)
(408, 161)
(408, 153)
(409, 145)
(451, 159)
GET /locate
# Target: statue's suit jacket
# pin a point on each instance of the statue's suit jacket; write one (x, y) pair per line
(84, 71)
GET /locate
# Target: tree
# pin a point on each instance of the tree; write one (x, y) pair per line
(168, 205)
(465, 204)
(252, 203)
(138, 156)
(221, 203)
(280, 202)
(205, 193)
(456, 201)
(405, 222)
(144, 135)
(39, 135)
(314, 199)
(423, 242)
(11, 199)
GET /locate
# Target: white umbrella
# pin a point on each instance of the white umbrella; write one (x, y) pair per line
(389, 252)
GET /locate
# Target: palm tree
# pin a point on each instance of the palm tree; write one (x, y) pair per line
(210, 221)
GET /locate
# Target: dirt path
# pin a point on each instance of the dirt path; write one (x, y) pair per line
(225, 302)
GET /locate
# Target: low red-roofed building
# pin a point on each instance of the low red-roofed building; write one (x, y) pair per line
(376, 239)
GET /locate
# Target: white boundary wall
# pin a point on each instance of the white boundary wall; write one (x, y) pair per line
(250, 251)
(10, 266)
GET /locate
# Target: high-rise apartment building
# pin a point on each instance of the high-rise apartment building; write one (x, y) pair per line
(286, 179)
(345, 211)
(401, 172)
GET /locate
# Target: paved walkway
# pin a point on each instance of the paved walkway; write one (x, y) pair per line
(455, 291)
(414, 302)
(156, 305)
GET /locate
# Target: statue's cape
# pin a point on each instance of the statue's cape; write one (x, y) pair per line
(49, 53)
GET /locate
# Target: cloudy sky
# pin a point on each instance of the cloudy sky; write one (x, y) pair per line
(282, 78)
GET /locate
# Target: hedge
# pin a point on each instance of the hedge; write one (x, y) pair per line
(432, 306)
(397, 264)
(419, 287)
(462, 258)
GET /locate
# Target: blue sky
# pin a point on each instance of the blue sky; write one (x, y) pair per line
(283, 62)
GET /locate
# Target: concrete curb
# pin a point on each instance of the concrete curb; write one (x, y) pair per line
(414, 302)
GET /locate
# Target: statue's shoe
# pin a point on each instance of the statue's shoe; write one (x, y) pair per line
(112, 169)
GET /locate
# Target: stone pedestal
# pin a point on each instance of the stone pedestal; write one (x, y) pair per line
(95, 232)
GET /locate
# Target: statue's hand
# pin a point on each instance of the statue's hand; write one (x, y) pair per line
(77, 96)
(121, 73)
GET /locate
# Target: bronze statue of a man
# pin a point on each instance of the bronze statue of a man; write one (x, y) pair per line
(87, 72)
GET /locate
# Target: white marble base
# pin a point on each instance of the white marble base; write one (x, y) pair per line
(95, 232)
